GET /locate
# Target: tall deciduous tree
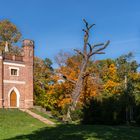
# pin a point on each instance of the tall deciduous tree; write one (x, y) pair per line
(127, 73)
(88, 51)
(42, 77)
(8, 33)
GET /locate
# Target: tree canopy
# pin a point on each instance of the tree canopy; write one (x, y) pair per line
(8, 33)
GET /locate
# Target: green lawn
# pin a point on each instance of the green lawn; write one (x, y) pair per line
(14, 122)
(16, 125)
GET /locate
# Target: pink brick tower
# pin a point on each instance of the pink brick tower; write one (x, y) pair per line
(16, 78)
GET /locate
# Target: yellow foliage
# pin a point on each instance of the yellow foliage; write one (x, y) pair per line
(112, 82)
(111, 86)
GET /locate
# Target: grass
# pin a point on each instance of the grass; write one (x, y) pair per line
(17, 125)
(14, 122)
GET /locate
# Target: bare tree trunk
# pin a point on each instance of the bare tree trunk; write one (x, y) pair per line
(79, 84)
(77, 90)
(88, 51)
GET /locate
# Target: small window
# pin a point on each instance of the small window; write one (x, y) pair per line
(14, 72)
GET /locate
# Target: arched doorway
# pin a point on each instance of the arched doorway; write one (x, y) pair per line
(13, 99)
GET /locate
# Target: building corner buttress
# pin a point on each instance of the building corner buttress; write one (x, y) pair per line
(1, 82)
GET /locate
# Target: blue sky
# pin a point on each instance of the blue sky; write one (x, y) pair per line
(56, 25)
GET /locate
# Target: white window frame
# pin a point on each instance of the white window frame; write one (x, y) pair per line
(10, 68)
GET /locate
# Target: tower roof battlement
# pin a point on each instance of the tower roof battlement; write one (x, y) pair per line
(27, 42)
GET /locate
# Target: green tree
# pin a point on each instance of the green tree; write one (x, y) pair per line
(8, 33)
(127, 73)
(43, 72)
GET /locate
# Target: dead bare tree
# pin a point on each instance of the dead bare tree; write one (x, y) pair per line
(88, 51)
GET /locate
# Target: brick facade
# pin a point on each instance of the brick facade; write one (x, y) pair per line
(22, 80)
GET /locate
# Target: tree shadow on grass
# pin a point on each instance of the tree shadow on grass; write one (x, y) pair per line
(82, 132)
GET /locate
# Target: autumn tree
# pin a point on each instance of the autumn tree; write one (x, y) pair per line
(43, 72)
(88, 51)
(120, 96)
(9, 34)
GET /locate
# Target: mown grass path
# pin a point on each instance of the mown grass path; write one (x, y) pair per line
(39, 117)
(17, 125)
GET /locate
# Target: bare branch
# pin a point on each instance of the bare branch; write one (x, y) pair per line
(90, 26)
(79, 52)
(96, 45)
(86, 23)
(106, 44)
(90, 47)
(85, 31)
(87, 26)
(100, 53)
(70, 80)
(100, 49)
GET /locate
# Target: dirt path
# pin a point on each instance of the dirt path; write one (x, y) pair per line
(42, 119)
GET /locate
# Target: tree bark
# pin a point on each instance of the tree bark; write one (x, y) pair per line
(78, 87)
(77, 90)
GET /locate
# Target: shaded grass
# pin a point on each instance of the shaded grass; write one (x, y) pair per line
(16, 125)
(83, 132)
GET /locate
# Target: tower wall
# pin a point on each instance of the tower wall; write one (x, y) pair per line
(28, 47)
(1, 81)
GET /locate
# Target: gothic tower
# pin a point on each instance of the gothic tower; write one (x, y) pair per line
(16, 78)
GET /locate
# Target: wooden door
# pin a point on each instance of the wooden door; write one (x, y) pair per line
(13, 99)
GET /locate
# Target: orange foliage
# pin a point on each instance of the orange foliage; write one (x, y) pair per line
(63, 102)
(71, 70)
(61, 92)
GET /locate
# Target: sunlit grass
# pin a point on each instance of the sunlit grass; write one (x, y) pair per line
(14, 122)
